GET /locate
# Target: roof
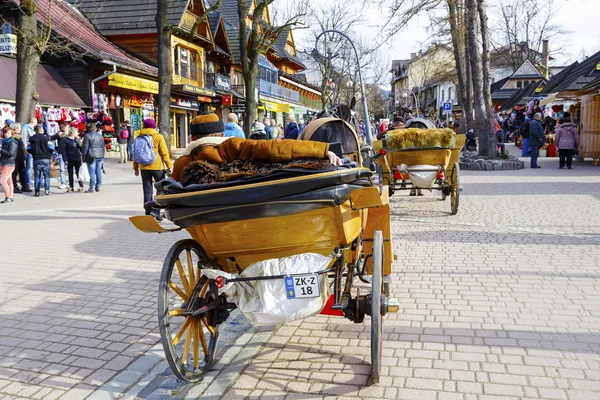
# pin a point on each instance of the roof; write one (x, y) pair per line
(281, 52)
(521, 95)
(496, 86)
(127, 17)
(50, 85)
(575, 77)
(70, 24)
(229, 13)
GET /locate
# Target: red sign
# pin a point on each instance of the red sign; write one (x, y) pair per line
(226, 100)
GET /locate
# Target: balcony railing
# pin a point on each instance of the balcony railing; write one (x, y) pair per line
(215, 80)
(274, 90)
(240, 89)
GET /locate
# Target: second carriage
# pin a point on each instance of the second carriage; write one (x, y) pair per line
(421, 159)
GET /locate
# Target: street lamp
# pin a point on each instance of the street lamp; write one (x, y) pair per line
(329, 50)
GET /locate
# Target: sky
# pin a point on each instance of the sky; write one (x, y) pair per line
(580, 17)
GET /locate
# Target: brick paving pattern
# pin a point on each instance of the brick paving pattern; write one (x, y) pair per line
(501, 301)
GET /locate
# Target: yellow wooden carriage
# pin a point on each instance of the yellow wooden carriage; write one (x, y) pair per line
(441, 163)
(339, 213)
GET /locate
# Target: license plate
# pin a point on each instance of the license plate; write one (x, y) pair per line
(299, 287)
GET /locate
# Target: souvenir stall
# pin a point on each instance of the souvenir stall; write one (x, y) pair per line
(122, 98)
(7, 113)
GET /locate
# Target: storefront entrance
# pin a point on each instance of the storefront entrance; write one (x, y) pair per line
(179, 129)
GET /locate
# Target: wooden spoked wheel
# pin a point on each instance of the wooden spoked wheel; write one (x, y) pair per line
(455, 185)
(377, 306)
(189, 342)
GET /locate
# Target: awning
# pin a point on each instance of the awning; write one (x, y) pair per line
(134, 83)
(548, 100)
(51, 87)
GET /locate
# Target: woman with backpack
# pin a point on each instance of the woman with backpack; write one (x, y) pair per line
(151, 157)
(122, 139)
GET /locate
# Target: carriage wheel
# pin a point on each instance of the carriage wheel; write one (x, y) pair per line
(455, 184)
(376, 306)
(189, 342)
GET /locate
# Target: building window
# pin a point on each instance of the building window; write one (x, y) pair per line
(449, 93)
(194, 66)
(519, 84)
(526, 84)
(443, 94)
(187, 63)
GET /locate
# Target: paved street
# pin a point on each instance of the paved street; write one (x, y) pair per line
(501, 301)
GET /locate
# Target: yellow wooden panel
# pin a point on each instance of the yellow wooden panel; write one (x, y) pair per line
(366, 198)
(259, 235)
(589, 137)
(379, 220)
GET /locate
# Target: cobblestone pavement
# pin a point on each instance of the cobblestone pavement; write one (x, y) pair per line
(500, 301)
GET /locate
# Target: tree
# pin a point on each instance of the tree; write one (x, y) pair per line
(258, 40)
(520, 27)
(33, 41)
(164, 31)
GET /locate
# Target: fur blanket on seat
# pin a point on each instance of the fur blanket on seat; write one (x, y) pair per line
(415, 138)
(202, 172)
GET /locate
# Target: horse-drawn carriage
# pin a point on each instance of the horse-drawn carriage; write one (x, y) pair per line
(417, 159)
(278, 247)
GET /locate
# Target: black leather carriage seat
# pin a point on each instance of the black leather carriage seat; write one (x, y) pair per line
(279, 193)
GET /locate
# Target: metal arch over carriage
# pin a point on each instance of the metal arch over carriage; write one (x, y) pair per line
(354, 231)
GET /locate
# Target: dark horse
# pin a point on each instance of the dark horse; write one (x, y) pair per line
(337, 131)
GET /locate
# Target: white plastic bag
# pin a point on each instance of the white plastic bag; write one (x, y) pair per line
(84, 174)
(266, 302)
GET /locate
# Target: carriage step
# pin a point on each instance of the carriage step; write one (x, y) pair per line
(393, 305)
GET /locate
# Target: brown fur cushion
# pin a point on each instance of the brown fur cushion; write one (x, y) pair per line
(415, 138)
(203, 172)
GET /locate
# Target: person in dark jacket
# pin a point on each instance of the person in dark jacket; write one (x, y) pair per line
(8, 155)
(18, 174)
(129, 141)
(93, 154)
(58, 138)
(566, 140)
(524, 130)
(536, 138)
(41, 150)
(291, 130)
(268, 128)
(71, 153)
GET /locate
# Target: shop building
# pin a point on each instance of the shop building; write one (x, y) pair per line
(191, 43)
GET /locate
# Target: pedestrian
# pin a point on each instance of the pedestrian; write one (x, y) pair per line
(64, 131)
(268, 128)
(8, 155)
(566, 141)
(536, 138)
(129, 141)
(27, 130)
(18, 174)
(122, 140)
(301, 127)
(291, 130)
(232, 129)
(151, 157)
(71, 153)
(93, 154)
(259, 132)
(524, 131)
(41, 149)
(277, 131)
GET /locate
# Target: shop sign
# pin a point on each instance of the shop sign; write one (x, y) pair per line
(538, 90)
(226, 100)
(198, 90)
(135, 101)
(222, 82)
(598, 67)
(8, 43)
(133, 83)
(204, 99)
(277, 107)
(216, 101)
(184, 102)
(238, 109)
